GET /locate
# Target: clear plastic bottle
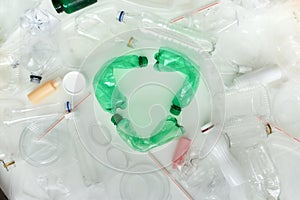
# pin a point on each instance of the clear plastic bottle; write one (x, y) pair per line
(166, 131)
(105, 85)
(262, 173)
(169, 60)
(40, 31)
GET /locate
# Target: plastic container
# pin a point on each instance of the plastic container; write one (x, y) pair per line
(37, 95)
(41, 151)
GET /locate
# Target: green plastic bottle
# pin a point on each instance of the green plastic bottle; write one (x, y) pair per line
(70, 6)
(104, 83)
(166, 131)
(169, 60)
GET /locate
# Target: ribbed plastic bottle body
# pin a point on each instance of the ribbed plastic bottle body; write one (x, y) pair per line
(166, 131)
(169, 60)
(105, 85)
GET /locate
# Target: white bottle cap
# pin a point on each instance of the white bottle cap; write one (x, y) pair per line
(74, 82)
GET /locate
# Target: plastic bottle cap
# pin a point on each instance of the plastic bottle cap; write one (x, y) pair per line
(116, 118)
(35, 79)
(57, 5)
(74, 82)
(143, 61)
(175, 110)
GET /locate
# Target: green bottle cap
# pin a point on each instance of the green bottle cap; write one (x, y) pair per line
(143, 61)
(175, 110)
(58, 6)
(116, 118)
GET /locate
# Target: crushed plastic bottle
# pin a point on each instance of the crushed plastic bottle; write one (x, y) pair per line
(166, 131)
(105, 85)
(169, 60)
(39, 43)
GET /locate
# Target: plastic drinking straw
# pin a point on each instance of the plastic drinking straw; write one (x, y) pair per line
(62, 117)
(194, 12)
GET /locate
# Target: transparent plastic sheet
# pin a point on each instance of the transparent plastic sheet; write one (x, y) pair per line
(143, 37)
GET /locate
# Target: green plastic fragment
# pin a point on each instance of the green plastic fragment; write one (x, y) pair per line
(166, 131)
(70, 6)
(105, 86)
(169, 60)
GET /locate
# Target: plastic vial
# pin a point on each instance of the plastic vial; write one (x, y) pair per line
(43, 91)
(264, 76)
(70, 6)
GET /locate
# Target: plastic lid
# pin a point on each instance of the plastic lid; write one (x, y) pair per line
(58, 6)
(74, 82)
(116, 118)
(35, 79)
(143, 61)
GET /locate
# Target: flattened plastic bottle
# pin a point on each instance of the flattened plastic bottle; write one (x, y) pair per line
(166, 131)
(105, 85)
(169, 60)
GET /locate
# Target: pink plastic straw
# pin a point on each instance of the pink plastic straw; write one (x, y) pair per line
(194, 12)
(62, 118)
